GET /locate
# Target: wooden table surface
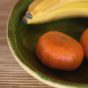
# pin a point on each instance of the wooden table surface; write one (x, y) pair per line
(11, 74)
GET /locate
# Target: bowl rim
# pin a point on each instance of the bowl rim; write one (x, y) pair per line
(28, 70)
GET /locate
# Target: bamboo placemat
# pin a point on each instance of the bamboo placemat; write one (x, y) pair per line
(11, 74)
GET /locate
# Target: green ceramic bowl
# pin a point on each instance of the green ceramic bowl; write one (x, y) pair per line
(22, 39)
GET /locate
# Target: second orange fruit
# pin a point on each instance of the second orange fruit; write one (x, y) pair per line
(84, 42)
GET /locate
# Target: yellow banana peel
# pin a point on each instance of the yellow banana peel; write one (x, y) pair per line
(41, 11)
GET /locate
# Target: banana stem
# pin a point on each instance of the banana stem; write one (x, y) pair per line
(27, 16)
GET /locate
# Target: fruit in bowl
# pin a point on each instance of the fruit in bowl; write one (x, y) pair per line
(59, 51)
(84, 42)
(22, 39)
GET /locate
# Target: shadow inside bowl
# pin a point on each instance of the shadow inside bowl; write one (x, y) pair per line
(27, 36)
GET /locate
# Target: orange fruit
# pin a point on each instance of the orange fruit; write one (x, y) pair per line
(84, 42)
(59, 51)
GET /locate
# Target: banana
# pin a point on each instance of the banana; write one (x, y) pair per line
(41, 11)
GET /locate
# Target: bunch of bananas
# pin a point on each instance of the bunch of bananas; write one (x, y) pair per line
(41, 11)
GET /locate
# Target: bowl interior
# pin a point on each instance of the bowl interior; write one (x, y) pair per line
(23, 39)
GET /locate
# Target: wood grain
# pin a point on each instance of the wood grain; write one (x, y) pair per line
(11, 74)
